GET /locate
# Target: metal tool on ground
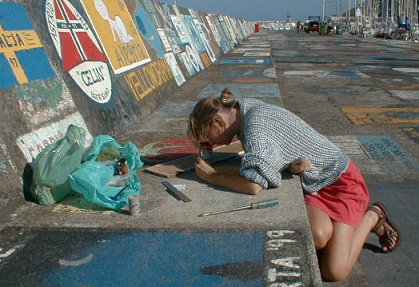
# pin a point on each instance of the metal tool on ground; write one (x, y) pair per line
(175, 192)
(253, 205)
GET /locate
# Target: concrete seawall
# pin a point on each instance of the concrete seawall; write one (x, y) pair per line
(102, 66)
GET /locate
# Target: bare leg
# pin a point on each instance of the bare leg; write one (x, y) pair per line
(342, 251)
(321, 226)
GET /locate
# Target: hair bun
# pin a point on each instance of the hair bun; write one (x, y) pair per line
(226, 95)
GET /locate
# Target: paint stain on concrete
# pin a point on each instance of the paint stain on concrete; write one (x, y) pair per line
(167, 149)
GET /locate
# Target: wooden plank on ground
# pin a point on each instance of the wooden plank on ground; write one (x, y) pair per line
(184, 164)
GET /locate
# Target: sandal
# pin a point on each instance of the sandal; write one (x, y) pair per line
(387, 232)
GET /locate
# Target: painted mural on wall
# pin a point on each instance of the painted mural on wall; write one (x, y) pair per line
(210, 22)
(174, 66)
(22, 56)
(24, 63)
(148, 78)
(118, 35)
(79, 50)
(148, 29)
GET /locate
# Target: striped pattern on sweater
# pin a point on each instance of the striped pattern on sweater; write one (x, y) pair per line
(273, 137)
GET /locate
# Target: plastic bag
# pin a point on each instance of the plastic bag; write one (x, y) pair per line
(108, 177)
(54, 164)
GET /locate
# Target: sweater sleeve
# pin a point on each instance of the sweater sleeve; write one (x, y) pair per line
(261, 164)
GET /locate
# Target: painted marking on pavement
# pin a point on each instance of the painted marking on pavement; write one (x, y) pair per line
(76, 263)
(412, 132)
(327, 74)
(177, 259)
(407, 70)
(355, 150)
(245, 61)
(364, 116)
(283, 267)
(405, 95)
(257, 54)
(243, 90)
(390, 154)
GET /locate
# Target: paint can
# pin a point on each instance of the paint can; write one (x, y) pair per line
(134, 205)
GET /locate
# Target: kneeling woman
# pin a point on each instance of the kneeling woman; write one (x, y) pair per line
(274, 139)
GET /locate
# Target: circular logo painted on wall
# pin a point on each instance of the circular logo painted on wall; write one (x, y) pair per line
(80, 52)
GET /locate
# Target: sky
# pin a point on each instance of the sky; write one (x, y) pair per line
(262, 9)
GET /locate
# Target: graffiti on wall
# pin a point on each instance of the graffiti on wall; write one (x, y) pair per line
(42, 101)
(22, 57)
(79, 50)
(188, 63)
(5, 160)
(148, 78)
(118, 35)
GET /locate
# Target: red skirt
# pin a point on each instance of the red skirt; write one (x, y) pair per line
(344, 201)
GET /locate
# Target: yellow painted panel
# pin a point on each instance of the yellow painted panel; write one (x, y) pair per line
(118, 34)
(15, 41)
(145, 80)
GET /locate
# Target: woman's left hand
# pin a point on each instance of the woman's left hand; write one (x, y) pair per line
(203, 169)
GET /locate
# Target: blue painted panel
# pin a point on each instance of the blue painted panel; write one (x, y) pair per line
(242, 90)
(35, 63)
(166, 259)
(13, 17)
(193, 33)
(148, 29)
(347, 74)
(387, 151)
(7, 78)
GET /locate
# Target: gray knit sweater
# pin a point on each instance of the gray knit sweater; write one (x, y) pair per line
(273, 137)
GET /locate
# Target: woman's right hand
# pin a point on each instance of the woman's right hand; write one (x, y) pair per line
(203, 169)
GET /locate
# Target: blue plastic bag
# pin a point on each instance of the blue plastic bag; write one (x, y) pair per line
(99, 180)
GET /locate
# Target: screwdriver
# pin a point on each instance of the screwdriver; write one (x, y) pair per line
(253, 205)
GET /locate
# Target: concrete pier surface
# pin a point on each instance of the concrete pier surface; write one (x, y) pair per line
(363, 94)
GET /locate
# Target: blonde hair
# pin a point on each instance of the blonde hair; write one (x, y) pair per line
(205, 110)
